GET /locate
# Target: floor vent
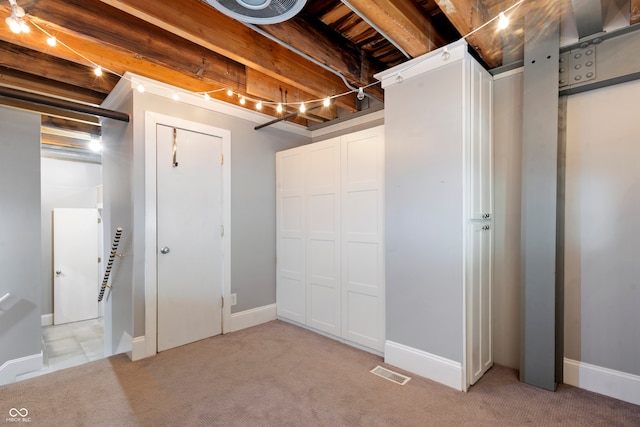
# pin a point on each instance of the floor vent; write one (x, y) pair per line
(390, 375)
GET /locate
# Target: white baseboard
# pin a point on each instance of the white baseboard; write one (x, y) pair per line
(425, 364)
(12, 368)
(254, 317)
(612, 383)
(138, 348)
(46, 320)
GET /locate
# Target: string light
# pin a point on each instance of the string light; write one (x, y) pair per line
(14, 21)
(18, 25)
(503, 21)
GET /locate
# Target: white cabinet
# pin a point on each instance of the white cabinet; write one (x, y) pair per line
(439, 216)
(330, 236)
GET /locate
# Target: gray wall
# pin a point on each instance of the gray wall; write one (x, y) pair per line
(423, 207)
(253, 276)
(602, 228)
(507, 152)
(20, 243)
(118, 196)
(65, 184)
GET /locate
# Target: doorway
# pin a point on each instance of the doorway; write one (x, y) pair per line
(187, 204)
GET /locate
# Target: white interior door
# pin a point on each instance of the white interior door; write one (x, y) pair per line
(480, 356)
(290, 231)
(189, 236)
(75, 265)
(363, 316)
(323, 243)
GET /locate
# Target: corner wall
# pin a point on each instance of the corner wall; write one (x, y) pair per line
(20, 337)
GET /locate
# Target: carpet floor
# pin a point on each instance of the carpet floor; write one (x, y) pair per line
(278, 374)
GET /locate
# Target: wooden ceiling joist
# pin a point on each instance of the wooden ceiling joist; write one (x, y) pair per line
(403, 22)
(205, 26)
(468, 15)
(38, 84)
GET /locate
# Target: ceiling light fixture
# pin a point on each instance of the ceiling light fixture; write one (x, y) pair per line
(140, 88)
(95, 146)
(15, 22)
(175, 96)
(360, 94)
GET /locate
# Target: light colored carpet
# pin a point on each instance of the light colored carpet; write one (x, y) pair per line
(278, 374)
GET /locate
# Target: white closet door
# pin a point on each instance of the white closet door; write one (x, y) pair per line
(481, 172)
(291, 247)
(323, 238)
(479, 271)
(362, 238)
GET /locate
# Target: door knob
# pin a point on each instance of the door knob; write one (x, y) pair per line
(165, 250)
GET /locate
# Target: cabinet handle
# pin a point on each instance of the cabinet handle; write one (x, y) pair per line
(486, 227)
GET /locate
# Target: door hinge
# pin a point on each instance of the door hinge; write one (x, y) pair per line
(99, 220)
(99, 260)
(222, 231)
(222, 159)
(222, 302)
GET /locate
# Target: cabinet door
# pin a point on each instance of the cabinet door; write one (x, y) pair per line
(481, 151)
(479, 278)
(290, 235)
(323, 236)
(362, 238)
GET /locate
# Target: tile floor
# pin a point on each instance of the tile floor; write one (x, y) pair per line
(71, 344)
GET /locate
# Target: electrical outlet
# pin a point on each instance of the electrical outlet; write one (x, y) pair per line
(234, 299)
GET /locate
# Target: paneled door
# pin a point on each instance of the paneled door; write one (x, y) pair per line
(75, 265)
(189, 236)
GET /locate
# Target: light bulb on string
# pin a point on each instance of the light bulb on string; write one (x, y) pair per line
(140, 88)
(95, 146)
(360, 94)
(327, 101)
(279, 108)
(176, 97)
(229, 92)
(302, 107)
(51, 41)
(259, 105)
(207, 97)
(503, 21)
(24, 27)
(97, 71)
(242, 100)
(14, 24)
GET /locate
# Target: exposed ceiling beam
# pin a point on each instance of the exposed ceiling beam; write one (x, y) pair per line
(402, 21)
(466, 16)
(24, 59)
(635, 11)
(588, 15)
(38, 84)
(101, 45)
(205, 26)
(334, 51)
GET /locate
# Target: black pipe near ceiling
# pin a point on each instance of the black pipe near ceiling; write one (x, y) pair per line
(63, 104)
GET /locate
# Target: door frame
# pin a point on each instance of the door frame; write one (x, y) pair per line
(152, 120)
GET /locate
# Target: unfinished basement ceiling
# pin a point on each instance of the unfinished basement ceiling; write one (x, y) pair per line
(329, 48)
